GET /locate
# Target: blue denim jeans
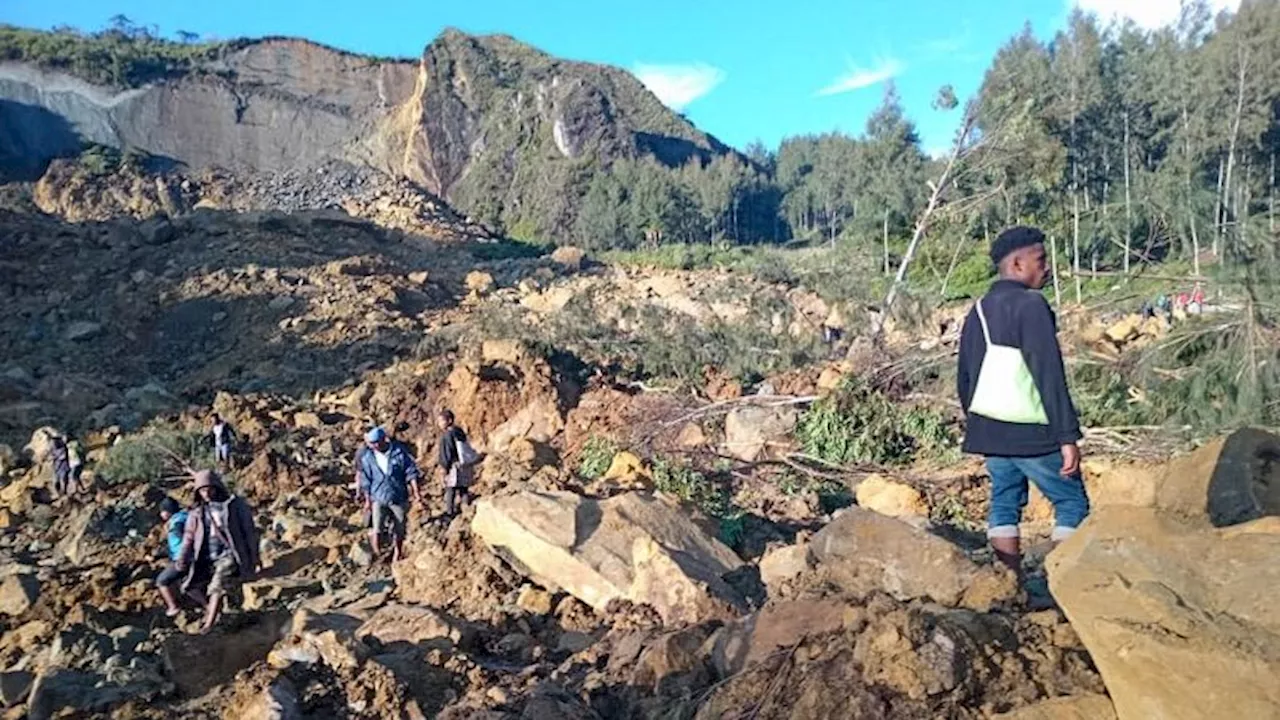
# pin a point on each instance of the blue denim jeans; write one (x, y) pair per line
(1009, 476)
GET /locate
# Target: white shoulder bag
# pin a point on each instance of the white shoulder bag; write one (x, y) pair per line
(1006, 390)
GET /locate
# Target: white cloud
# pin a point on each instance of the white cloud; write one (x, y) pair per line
(1149, 14)
(859, 78)
(678, 85)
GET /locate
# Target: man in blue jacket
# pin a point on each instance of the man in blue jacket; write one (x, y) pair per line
(1028, 430)
(385, 472)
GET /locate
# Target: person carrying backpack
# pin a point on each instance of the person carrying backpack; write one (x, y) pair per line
(457, 460)
(175, 523)
(1013, 388)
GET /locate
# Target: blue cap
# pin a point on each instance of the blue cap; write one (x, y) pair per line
(375, 435)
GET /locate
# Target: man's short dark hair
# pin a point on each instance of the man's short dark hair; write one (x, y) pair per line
(1014, 239)
(447, 414)
(170, 506)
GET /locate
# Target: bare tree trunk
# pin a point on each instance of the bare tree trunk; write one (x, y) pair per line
(955, 257)
(1128, 201)
(1271, 196)
(1053, 260)
(1242, 68)
(936, 189)
(885, 242)
(1219, 215)
(1075, 242)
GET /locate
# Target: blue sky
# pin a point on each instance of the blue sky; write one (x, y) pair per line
(741, 69)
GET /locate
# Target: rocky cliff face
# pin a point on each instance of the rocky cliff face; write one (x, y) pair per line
(498, 128)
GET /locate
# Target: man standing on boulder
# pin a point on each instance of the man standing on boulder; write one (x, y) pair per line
(385, 472)
(220, 536)
(1013, 388)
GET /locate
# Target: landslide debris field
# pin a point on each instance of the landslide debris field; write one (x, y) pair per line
(708, 489)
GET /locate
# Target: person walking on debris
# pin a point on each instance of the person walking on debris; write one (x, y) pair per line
(1013, 388)
(456, 459)
(60, 455)
(386, 472)
(223, 438)
(175, 523)
(220, 535)
(75, 460)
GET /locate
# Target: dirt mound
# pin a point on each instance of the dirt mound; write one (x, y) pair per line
(895, 660)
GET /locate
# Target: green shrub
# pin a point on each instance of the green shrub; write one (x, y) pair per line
(687, 483)
(155, 455)
(596, 457)
(859, 424)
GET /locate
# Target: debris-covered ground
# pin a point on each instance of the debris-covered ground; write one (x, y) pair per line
(738, 547)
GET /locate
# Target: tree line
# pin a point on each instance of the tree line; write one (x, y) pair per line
(1128, 145)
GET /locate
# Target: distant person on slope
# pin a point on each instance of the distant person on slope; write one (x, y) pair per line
(175, 523)
(1013, 388)
(456, 459)
(386, 472)
(75, 460)
(60, 455)
(223, 438)
(220, 536)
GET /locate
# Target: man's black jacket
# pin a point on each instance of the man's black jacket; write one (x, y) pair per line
(1018, 317)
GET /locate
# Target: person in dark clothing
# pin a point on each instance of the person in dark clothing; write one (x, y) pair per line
(385, 473)
(219, 538)
(223, 438)
(458, 472)
(1013, 388)
(60, 457)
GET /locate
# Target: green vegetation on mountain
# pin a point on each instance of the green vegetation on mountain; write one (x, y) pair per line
(123, 55)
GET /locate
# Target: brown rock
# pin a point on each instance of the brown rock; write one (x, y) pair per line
(260, 593)
(479, 282)
(1072, 707)
(862, 551)
(781, 564)
(691, 436)
(752, 431)
(316, 638)
(748, 640)
(535, 601)
(568, 256)
(418, 626)
(1227, 482)
(1179, 616)
(889, 497)
(307, 420)
(18, 593)
(632, 546)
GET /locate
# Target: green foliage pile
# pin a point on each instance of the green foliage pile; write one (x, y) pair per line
(859, 424)
(596, 457)
(155, 454)
(687, 483)
(123, 56)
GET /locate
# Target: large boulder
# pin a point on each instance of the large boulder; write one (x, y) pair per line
(418, 626)
(1179, 617)
(862, 551)
(633, 546)
(755, 637)
(752, 431)
(1227, 482)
